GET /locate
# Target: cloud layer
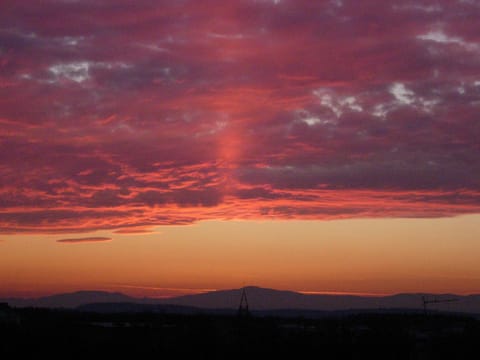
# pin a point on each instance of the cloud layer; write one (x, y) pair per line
(120, 114)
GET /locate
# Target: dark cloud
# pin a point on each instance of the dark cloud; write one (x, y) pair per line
(84, 240)
(119, 114)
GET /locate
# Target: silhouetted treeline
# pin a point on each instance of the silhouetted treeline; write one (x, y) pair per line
(73, 334)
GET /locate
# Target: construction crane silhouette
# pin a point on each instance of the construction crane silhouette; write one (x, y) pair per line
(243, 307)
(426, 302)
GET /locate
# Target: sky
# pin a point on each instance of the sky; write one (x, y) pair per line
(168, 147)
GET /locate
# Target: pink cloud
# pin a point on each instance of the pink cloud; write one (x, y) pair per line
(116, 115)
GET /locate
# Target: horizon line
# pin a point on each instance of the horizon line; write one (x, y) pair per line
(191, 291)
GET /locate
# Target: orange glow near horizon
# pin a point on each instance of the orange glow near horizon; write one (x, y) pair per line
(361, 256)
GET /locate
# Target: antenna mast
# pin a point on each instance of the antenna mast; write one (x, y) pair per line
(434, 301)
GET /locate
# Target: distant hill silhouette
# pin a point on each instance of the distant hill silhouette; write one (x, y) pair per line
(71, 300)
(260, 299)
(269, 299)
(129, 307)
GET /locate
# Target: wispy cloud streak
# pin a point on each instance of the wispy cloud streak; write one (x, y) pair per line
(84, 240)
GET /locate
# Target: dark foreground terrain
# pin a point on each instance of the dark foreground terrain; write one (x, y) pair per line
(72, 334)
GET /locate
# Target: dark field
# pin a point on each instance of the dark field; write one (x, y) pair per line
(72, 334)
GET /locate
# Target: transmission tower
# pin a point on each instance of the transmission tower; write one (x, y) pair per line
(243, 307)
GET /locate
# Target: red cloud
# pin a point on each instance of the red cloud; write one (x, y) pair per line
(120, 115)
(134, 230)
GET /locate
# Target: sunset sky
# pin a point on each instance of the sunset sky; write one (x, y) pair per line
(162, 148)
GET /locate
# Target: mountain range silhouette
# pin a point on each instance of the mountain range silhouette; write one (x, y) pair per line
(260, 299)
